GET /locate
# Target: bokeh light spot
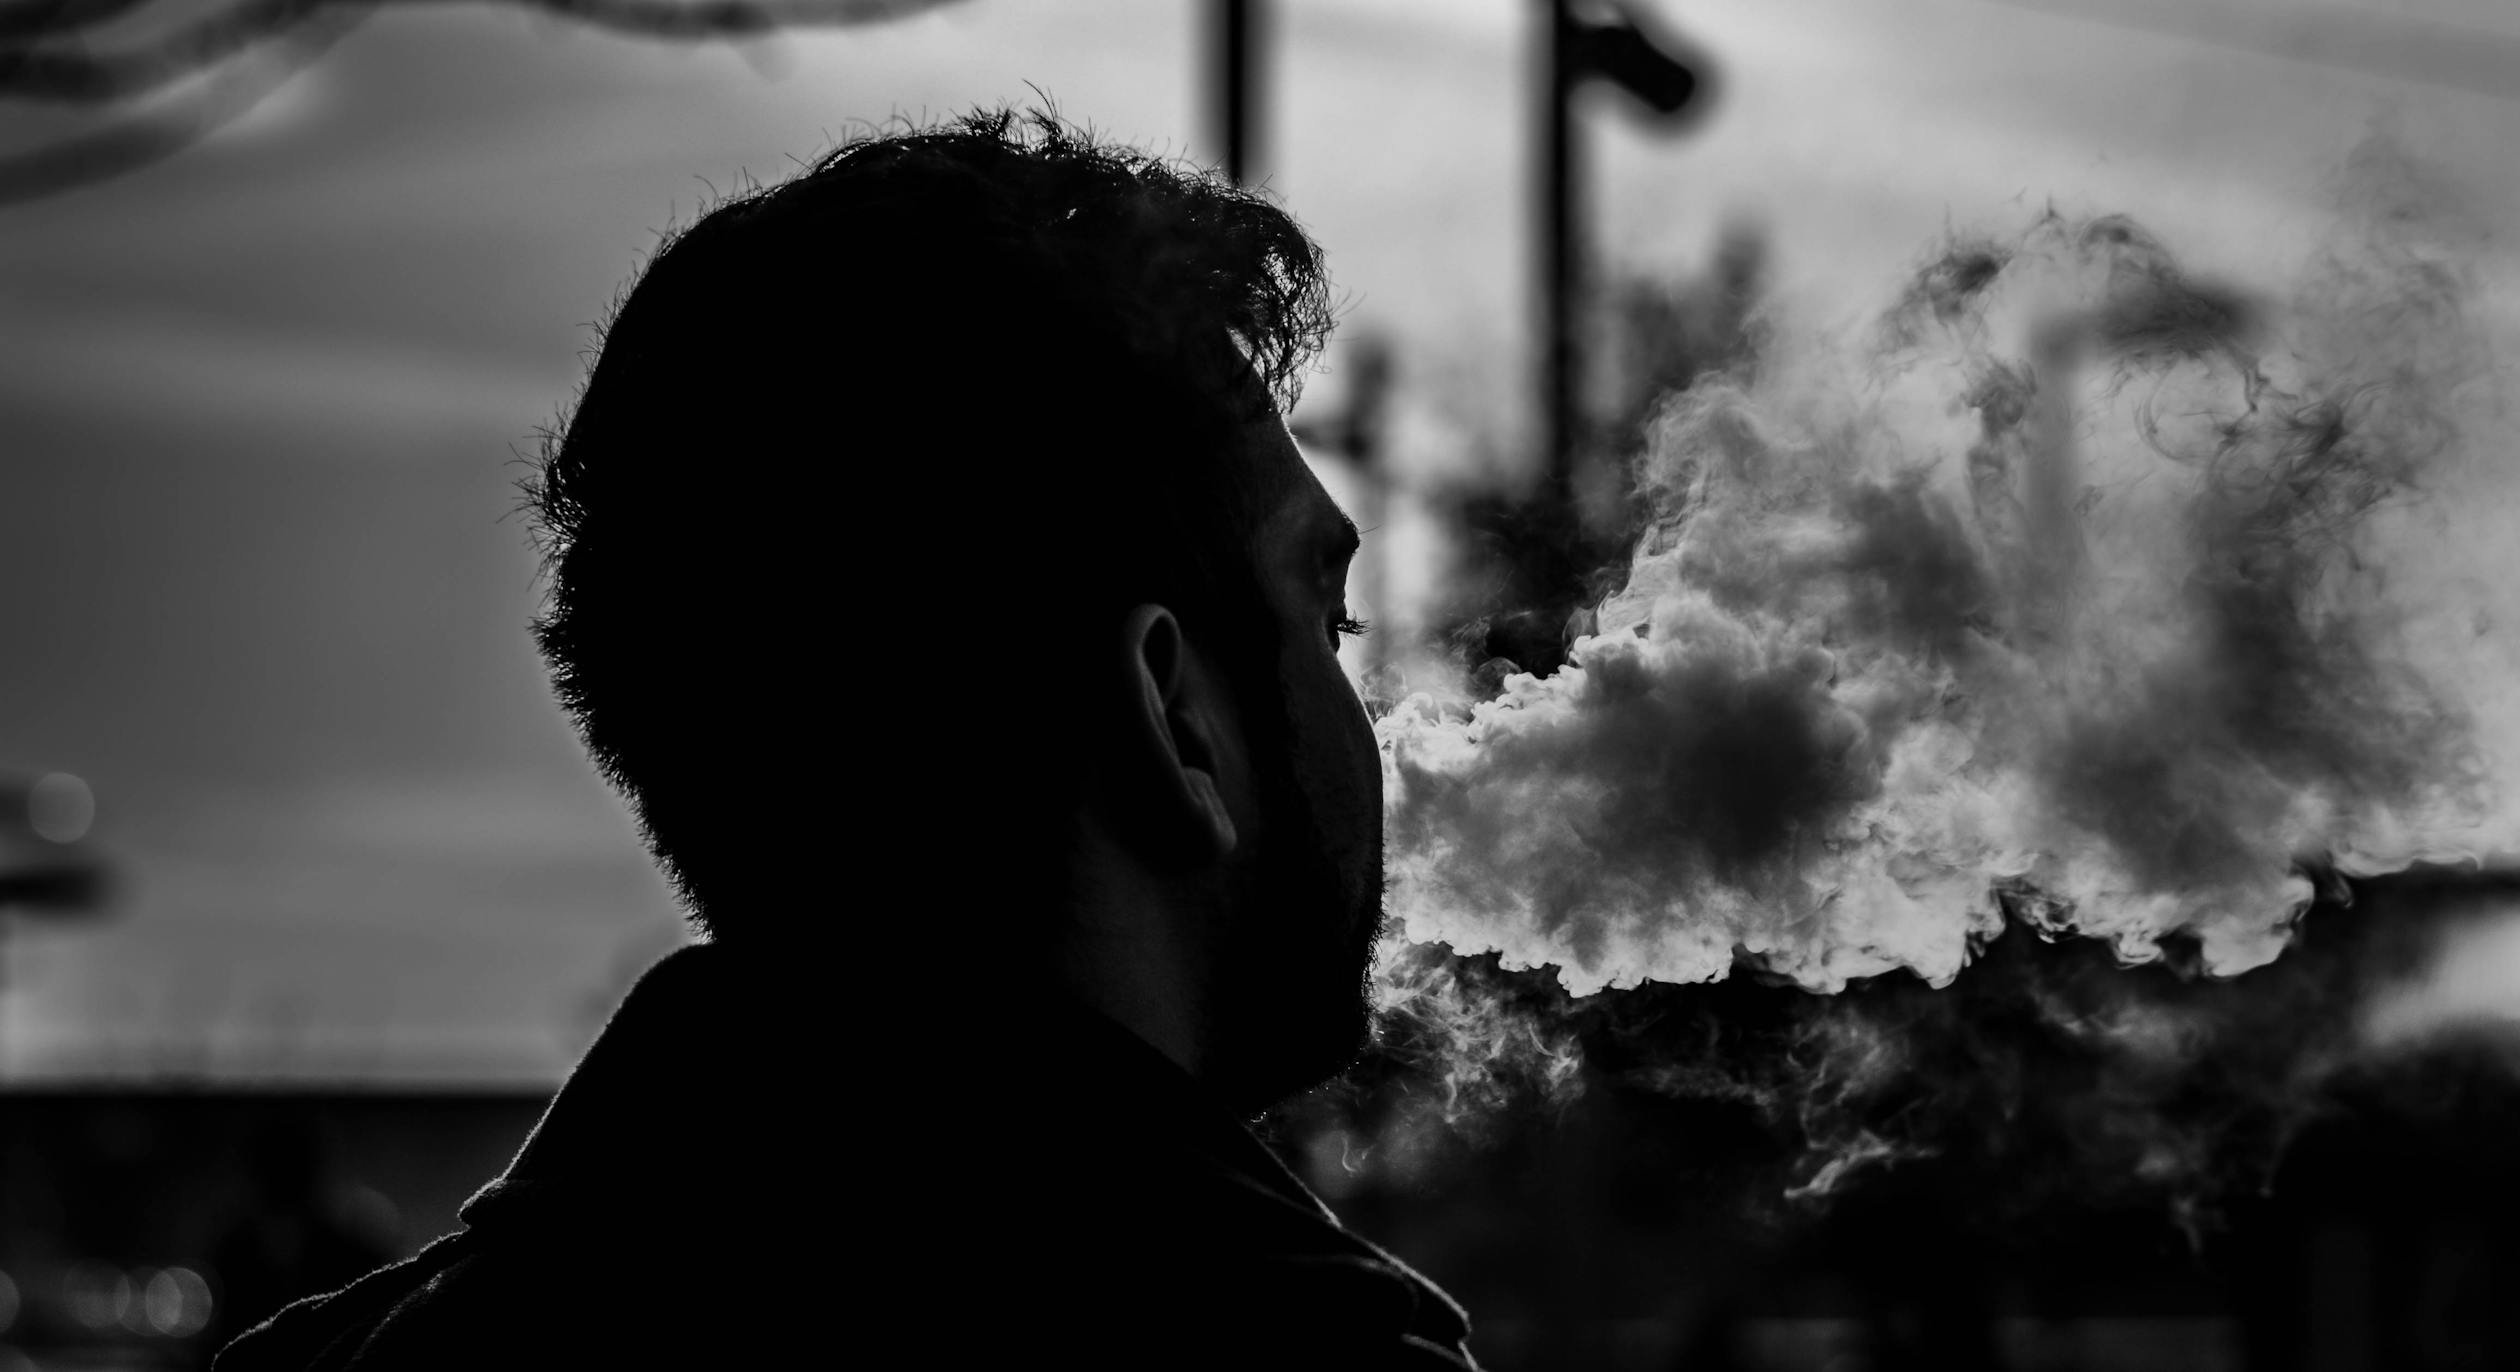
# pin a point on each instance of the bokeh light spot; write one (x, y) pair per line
(60, 807)
(176, 1302)
(98, 1296)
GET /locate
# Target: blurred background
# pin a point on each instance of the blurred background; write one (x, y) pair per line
(310, 899)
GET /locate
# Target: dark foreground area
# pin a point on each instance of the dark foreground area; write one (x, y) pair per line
(1630, 1237)
(2054, 1165)
(143, 1229)
(138, 1230)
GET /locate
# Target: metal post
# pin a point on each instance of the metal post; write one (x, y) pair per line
(1561, 274)
(1234, 84)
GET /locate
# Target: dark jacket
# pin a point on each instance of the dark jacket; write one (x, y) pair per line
(714, 1184)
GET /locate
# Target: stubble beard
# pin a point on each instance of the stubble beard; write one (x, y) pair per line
(1300, 985)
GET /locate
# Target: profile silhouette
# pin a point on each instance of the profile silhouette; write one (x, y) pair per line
(931, 568)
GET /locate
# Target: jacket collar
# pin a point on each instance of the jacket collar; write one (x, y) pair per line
(712, 1067)
(708, 1102)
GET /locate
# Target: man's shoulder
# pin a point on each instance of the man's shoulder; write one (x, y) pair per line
(334, 1331)
(682, 1200)
(508, 1299)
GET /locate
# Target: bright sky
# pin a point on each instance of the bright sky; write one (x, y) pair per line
(260, 407)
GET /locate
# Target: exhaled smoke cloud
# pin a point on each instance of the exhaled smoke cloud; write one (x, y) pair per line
(2080, 593)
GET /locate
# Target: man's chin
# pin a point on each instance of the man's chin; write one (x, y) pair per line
(1301, 1045)
(1304, 1009)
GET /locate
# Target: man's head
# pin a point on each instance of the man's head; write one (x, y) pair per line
(894, 492)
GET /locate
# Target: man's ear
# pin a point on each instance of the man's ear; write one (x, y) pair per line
(1177, 718)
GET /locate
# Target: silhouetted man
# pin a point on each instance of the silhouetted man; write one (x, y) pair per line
(931, 568)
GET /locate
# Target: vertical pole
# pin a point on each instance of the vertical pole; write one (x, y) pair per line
(1233, 84)
(1561, 278)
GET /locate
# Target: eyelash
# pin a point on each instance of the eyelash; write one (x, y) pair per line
(1350, 625)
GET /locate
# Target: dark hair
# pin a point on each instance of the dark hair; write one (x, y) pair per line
(863, 458)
